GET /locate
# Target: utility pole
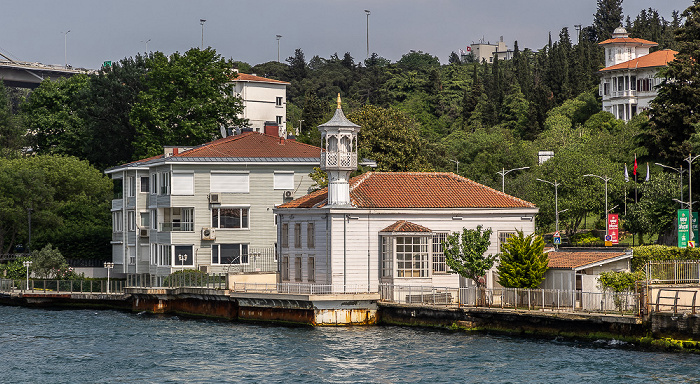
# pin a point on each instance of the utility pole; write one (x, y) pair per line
(65, 48)
(368, 13)
(202, 21)
(278, 47)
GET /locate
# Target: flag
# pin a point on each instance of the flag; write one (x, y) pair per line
(469, 49)
(647, 179)
(634, 170)
(627, 176)
(461, 52)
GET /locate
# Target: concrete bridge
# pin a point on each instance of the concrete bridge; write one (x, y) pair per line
(30, 75)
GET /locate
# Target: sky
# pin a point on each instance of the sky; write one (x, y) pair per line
(246, 30)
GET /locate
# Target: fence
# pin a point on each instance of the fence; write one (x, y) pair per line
(300, 288)
(263, 259)
(62, 286)
(190, 279)
(673, 272)
(532, 299)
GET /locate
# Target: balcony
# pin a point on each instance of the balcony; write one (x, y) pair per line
(176, 226)
(339, 160)
(117, 204)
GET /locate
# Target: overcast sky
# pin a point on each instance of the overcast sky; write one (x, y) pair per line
(245, 29)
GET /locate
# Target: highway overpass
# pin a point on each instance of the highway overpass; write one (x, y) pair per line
(29, 75)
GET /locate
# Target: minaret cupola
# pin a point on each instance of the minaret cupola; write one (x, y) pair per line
(339, 158)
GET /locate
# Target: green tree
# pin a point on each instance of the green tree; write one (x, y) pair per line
(655, 212)
(608, 16)
(11, 131)
(187, 99)
(48, 261)
(522, 261)
(466, 254)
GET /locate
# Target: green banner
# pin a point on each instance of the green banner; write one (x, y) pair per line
(683, 228)
(695, 226)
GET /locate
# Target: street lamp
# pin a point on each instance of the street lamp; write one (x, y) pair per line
(556, 201)
(456, 162)
(680, 171)
(146, 42)
(29, 227)
(299, 129)
(606, 179)
(690, 190)
(109, 265)
(182, 257)
(278, 47)
(65, 48)
(503, 174)
(368, 13)
(27, 263)
(201, 22)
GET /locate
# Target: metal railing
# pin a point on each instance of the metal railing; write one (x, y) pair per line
(516, 298)
(300, 288)
(62, 286)
(673, 272)
(339, 159)
(263, 259)
(177, 226)
(195, 279)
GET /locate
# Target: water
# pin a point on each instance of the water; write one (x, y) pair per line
(86, 346)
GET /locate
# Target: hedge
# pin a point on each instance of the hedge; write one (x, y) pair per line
(646, 253)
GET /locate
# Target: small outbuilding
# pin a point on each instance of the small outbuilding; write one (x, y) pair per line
(579, 270)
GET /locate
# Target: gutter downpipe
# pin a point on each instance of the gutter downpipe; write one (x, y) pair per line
(329, 272)
(345, 250)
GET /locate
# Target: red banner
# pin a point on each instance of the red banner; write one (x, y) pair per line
(613, 226)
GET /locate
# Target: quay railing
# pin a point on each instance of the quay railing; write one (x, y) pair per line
(62, 286)
(516, 298)
(673, 272)
(300, 288)
(195, 279)
(260, 259)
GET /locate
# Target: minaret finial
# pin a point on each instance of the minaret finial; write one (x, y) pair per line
(339, 107)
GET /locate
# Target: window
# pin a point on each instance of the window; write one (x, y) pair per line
(503, 237)
(411, 256)
(154, 219)
(183, 184)
(283, 180)
(311, 266)
(387, 261)
(164, 183)
(279, 120)
(164, 254)
(183, 255)
(229, 182)
(297, 235)
(229, 254)
(154, 183)
(117, 221)
(118, 188)
(144, 184)
(132, 186)
(297, 268)
(285, 235)
(131, 220)
(229, 218)
(310, 234)
(633, 83)
(145, 219)
(278, 101)
(285, 268)
(154, 254)
(439, 263)
(132, 255)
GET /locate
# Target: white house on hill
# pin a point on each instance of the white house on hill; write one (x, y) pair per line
(628, 81)
(386, 227)
(264, 101)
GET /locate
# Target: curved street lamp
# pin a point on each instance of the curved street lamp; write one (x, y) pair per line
(556, 201)
(680, 171)
(605, 179)
(503, 174)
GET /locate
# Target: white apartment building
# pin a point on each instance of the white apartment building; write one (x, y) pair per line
(264, 100)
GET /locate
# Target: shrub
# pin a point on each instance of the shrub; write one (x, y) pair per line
(646, 253)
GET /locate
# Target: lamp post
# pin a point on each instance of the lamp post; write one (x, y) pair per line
(503, 174)
(299, 129)
(29, 227)
(368, 13)
(456, 162)
(690, 190)
(182, 257)
(146, 42)
(680, 171)
(278, 47)
(27, 264)
(556, 201)
(109, 265)
(201, 22)
(65, 48)
(606, 179)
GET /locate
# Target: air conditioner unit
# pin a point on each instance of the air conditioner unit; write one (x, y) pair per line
(208, 233)
(288, 194)
(143, 232)
(215, 198)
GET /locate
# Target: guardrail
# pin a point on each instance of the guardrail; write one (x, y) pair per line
(62, 286)
(673, 272)
(300, 288)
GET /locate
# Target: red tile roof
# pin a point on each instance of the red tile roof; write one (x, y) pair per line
(251, 145)
(628, 40)
(571, 260)
(258, 79)
(405, 226)
(415, 190)
(654, 59)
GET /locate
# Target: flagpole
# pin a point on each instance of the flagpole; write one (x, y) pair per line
(635, 178)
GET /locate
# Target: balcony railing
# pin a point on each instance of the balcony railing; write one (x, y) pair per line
(177, 226)
(339, 159)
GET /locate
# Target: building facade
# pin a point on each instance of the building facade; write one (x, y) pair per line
(628, 81)
(264, 101)
(386, 227)
(207, 207)
(486, 51)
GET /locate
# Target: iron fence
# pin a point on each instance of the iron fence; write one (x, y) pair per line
(194, 279)
(262, 259)
(300, 288)
(516, 298)
(673, 272)
(62, 286)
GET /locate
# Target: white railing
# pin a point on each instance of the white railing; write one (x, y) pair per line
(299, 288)
(339, 159)
(532, 299)
(673, 272)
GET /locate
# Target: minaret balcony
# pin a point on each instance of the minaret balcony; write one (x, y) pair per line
(339, 160)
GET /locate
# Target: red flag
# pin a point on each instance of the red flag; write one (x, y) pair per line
(634, 171)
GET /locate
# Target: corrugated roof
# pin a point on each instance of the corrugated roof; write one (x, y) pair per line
(405, 226)
(628, 40)
(654, 59)
(415, 190)
(258, 79)
(571, 260)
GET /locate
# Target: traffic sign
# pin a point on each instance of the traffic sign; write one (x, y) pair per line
(557, 234)
(557, 240)
(691, 244)
(608, 238)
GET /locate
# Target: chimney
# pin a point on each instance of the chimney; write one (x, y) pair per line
(176, 150)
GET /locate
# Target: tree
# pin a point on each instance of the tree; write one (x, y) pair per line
(297, 65)
(188, 98)
(655, 211)
(48, 261)
(608, 16)
(522, 262)
(466, 254)
(11, 132)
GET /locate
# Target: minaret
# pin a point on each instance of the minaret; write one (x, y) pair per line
(339, 160)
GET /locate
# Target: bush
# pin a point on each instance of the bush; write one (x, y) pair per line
(15, 269)
(646, 253)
